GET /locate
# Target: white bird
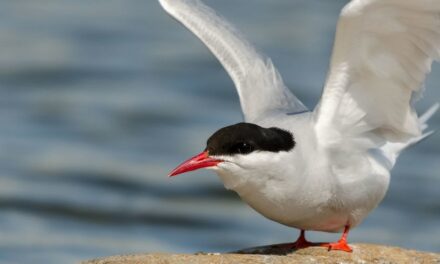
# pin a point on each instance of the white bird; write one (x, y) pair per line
(325, 169)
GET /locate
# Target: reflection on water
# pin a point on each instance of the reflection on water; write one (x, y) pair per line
(100, 99)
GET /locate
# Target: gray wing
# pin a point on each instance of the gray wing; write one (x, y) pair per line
(259, 85)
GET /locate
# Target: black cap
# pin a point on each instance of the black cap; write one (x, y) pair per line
(244, 138)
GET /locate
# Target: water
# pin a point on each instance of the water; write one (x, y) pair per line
(99, 100)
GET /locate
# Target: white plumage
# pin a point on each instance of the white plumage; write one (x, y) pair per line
(382, 53)
(339, 169)
(259, 85)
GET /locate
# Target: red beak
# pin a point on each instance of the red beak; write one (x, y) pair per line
(202, 160)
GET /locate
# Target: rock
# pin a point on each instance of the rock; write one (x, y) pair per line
(276, 254)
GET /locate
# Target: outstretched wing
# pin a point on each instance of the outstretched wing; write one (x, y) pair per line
(382, 53)
(259, 85)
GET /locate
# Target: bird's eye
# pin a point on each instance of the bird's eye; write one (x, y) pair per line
(242, 148)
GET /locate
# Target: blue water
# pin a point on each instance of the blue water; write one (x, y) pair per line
(99, 100)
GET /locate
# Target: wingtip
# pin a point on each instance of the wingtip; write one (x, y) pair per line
(165, 4)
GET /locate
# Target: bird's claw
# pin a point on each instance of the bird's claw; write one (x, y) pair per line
(340, 245)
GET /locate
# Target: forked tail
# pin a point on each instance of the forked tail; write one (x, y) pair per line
(392, 150)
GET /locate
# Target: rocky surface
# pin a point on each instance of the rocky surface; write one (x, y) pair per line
(277, 254)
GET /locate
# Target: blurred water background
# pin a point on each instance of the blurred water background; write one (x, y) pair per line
(99, 100)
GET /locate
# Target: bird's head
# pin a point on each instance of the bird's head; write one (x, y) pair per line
(238, 151)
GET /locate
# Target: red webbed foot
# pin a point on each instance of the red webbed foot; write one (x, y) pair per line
(341, 244)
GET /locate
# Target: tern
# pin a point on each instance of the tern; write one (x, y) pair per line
(323, 169)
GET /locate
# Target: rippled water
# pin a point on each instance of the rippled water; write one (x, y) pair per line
(100, 99)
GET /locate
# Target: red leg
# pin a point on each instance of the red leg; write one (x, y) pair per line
(341, 244)
(302, 242)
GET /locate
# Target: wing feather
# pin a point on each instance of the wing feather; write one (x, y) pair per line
(259, 85)
(382, 53)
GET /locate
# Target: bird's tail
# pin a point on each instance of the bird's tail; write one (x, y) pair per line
(392, 150)
(423, 123)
